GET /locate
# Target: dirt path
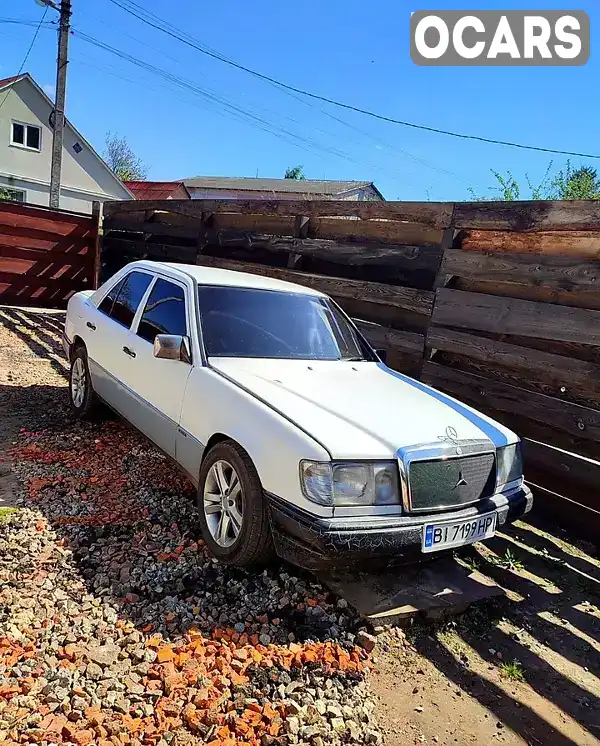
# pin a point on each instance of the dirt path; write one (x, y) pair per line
(520, 671)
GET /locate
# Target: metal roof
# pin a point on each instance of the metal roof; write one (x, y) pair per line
(153, 189)
(295, 186)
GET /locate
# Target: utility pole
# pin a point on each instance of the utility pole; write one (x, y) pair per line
(61, 94)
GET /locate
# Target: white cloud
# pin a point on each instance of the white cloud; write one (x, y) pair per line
(48, 89)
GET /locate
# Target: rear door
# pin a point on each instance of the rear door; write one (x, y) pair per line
(160, 384)
(108, 339)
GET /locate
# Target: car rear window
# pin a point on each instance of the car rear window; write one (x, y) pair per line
(129, 297)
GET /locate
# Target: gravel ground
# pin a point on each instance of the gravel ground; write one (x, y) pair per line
(116, 627)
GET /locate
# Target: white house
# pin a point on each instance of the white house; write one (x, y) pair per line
(26, 153)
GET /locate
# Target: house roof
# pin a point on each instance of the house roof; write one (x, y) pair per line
(154, 189)
(294, 186)
(6, 82)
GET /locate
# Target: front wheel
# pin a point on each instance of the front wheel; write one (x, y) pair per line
(233, 514)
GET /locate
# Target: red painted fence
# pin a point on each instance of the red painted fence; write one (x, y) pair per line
(46, 255)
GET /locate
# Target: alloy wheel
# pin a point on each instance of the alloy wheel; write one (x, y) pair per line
(223, 500)
(78, 382)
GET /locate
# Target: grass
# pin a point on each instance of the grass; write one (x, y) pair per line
(5, 512)
(512, 671)
(508, 561)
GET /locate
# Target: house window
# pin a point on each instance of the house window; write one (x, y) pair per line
(27, 136)
(11, 195)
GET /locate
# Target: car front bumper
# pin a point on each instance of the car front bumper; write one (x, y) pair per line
(313, 542)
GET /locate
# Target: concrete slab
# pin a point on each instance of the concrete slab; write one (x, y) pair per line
(396, 596)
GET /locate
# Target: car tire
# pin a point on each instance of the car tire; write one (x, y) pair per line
(235, 522)
(82, 397)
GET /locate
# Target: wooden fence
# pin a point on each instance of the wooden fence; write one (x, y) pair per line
(495, 303)
(46, 255)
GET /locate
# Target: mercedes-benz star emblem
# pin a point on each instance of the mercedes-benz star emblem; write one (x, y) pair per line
(452, 436)
(462, 482)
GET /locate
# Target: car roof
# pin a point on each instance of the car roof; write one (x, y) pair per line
(228, 278)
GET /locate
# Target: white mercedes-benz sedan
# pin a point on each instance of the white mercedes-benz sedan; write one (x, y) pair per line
(300, 439)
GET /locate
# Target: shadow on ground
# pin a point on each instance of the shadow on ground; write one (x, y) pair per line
(131, 520)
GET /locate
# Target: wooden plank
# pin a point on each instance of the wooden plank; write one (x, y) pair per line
(277, 225)
(572, 244)
(582, 422)
(392, 339)
(528, 216)
(145, 248)
(578, 297)
(565, 374)
(582, 521)
(416, 301)
(387, 231)
(77, 234)
(63, 244)
(511, 316)
(52, 221)
(434, 214)
(562, 272)
(568, 473)
(376, 253)
(20, 282)
(47, 268)
(151, 228)
(71, 257)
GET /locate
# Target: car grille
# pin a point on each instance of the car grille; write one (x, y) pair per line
(451, 483)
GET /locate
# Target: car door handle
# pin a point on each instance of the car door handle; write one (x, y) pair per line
(91, 326)
(129, 352)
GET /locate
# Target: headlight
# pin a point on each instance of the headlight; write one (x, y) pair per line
(346, 483)
(509, 464)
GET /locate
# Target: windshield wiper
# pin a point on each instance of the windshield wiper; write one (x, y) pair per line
(352, 359)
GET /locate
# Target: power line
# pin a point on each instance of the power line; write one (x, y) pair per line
(162, 25)
(188, 39)
(233, 109)
(35, 36)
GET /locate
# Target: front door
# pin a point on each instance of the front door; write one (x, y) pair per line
(160, 384)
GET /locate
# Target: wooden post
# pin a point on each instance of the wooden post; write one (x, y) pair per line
(97, 244)
(448, 240)
(301, 225)
(206, 223)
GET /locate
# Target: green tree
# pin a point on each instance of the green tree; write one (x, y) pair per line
(576, 183)
(568, 183)
(295, 172)
(121, 159)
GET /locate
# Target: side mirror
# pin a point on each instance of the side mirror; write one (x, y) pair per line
(382, 354)
(172, 347)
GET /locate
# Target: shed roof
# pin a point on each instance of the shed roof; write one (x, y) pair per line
(294, 186)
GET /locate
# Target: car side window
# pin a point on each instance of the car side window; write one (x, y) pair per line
(164, 312)
(108, 300)
(129, 297)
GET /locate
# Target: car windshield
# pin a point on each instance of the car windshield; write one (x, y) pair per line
(245, 322)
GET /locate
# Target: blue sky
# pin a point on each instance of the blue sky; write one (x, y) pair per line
(346, 49)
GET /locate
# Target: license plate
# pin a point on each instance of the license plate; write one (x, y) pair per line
(438, 536)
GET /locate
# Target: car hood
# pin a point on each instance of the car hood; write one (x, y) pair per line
(359, 409)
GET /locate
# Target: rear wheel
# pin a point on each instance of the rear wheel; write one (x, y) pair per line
(233, 514)
(82, 397)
